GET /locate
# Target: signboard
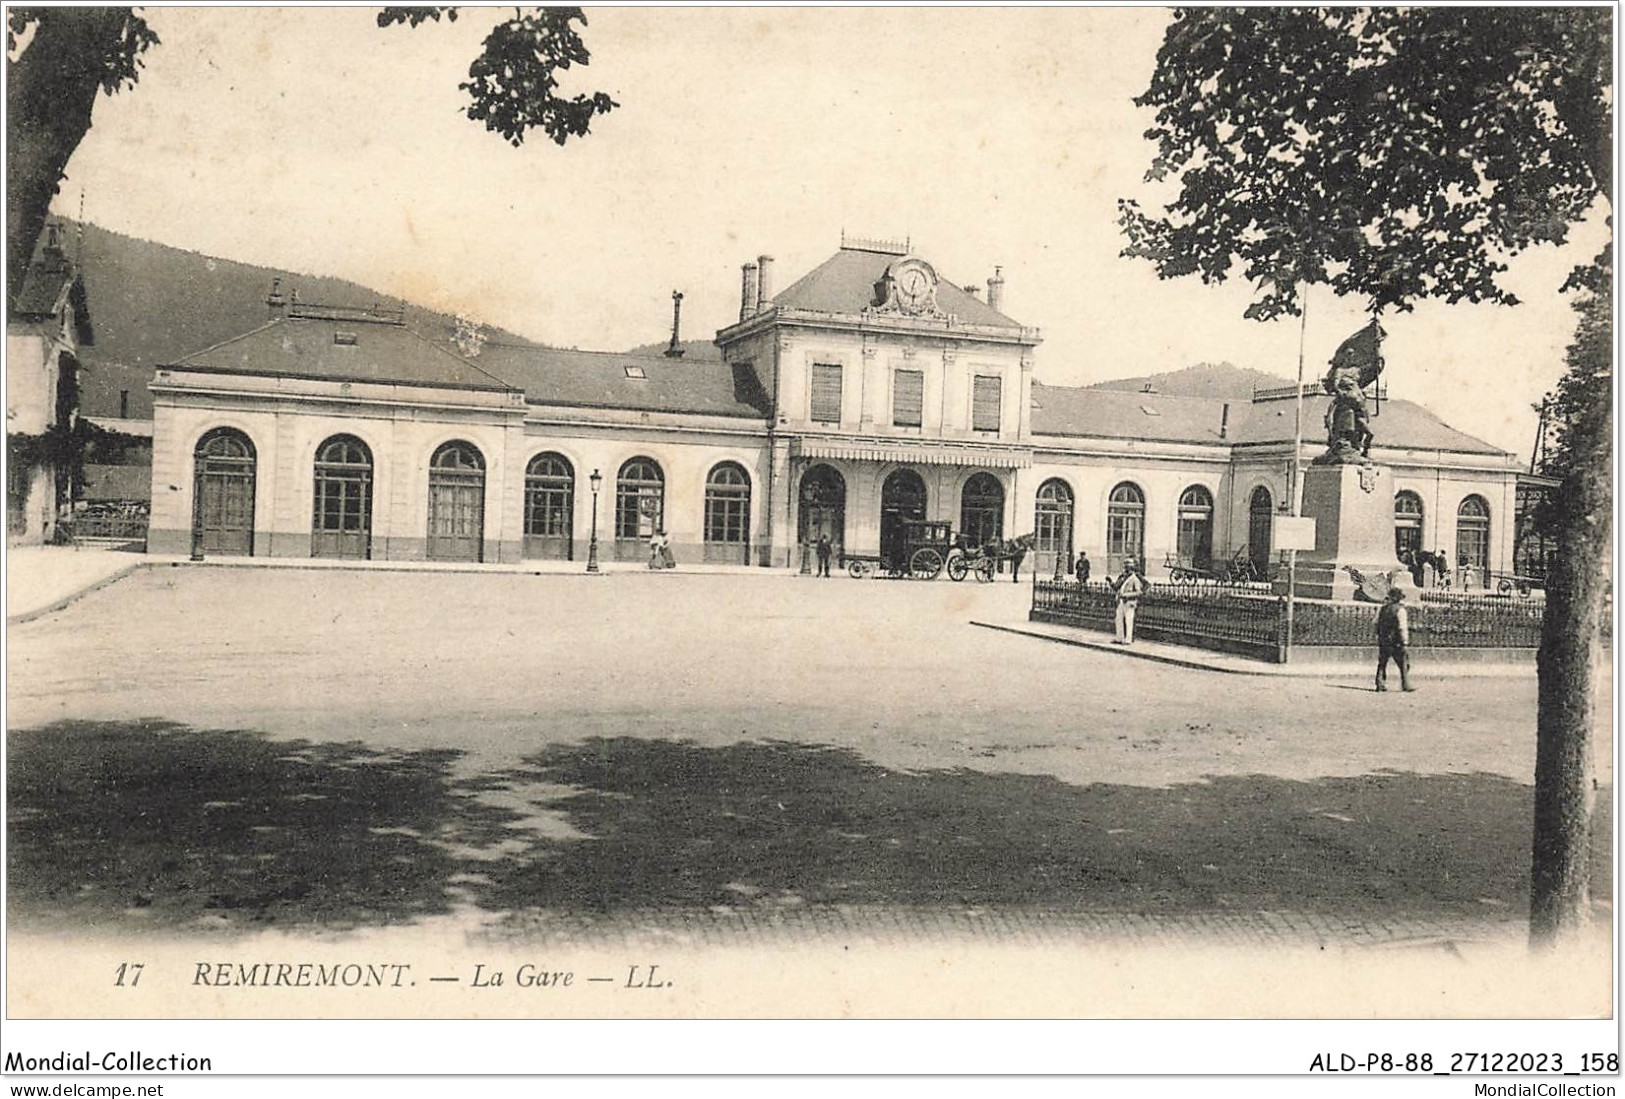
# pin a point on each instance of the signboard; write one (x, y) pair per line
(1294, 532)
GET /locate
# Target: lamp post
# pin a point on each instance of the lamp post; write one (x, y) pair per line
(1063, 543)
(592, 542)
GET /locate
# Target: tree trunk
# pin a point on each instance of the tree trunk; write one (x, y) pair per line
(50, 93)
(1570, 657)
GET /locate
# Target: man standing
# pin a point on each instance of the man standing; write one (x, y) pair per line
(1129, 587)
(1018, 550)
(1081, 569)
(823, 555)
(1393, 640)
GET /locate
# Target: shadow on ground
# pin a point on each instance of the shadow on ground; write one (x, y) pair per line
(149, 822)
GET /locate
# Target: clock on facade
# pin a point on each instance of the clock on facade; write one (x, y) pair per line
(913, 286)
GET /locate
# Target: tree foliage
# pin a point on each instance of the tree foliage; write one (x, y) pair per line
(513, 84)
(59, 59)
(1393, 153)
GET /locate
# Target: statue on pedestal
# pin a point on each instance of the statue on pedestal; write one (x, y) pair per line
(1357, 364)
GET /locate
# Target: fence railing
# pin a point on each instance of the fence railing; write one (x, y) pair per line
(1254, 624)
(104, 528)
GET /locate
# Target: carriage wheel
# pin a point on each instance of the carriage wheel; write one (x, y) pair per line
(1180, 576)
(984, 570)
(1504, 587)
(925, 564)
(957, 567)
(857, 570)
(1524, 588)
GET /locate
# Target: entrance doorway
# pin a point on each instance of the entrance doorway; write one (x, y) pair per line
(981, 510)
(823, 509)
(1260, 520)
(456, 504)
(223, 513)
(902, 498)
(341, 522)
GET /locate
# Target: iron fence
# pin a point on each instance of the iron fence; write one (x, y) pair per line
(1254, 623)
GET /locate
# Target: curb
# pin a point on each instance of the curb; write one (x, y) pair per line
(1125, 650)
(74, 597)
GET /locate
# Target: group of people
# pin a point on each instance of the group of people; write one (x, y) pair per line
(660, 555)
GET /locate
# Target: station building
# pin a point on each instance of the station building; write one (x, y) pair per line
(868, 392)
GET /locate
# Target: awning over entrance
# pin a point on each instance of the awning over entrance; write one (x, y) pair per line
(906, 453)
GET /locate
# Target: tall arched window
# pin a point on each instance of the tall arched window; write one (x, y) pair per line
(1125, 527)
(981, 509)
(1260, 526)
(341, 508)
(640, 507)
(727, 515)
(223, 484)
(1195, 545)
(1407, 525)
(549, 507)
(1053, 519)
(1473, 541)
(456, 503)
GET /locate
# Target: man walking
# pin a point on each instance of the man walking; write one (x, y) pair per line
(1394, 640)
(1129, 587)
(823, 555)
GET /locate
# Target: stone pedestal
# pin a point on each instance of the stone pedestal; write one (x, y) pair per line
(1353, 510)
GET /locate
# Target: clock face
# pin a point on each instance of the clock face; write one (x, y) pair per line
(913, 287)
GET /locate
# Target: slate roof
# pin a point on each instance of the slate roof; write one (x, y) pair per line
(1397, 423)
(47, 276)
(305, 347)
(845, 283)
(600, 379)
(1110, 414)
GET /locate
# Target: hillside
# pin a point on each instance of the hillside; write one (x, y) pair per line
(152, 304)
(1222, 380)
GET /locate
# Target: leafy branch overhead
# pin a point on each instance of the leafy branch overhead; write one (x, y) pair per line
(513, 84)
(1393, 154)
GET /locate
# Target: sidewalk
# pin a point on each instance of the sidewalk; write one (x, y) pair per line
(1182, 656)
(44, 579)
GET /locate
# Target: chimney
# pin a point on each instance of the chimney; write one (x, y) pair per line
(675, 349)
(995, 288)
(764, 288)
(1224, 421)
(747, 290)
(275, 303)
(53, 239)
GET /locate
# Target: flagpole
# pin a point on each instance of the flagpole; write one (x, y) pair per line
(1297, 475)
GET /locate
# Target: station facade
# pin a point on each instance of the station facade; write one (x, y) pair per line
(869, 392)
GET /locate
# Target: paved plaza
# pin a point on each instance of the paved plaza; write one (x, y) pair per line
(585, 747)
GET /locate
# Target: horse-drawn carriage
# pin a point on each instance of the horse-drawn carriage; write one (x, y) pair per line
(920, 549)
(917, 550)
(1238, 570)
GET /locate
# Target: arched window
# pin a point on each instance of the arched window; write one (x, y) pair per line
(727, 515)
(456, 503)
(1473, 541)
(1125, 527)
(1052, 522)
(1260, 525)
(1195, 545)
(341, 508)
(640, 507)
(981, 510)
(223, 482)
(1407, 525)
(549, 507)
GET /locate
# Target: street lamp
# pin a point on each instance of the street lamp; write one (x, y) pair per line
(1063, 541)
(592, 543)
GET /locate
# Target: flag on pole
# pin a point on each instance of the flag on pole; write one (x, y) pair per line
(1362, 352)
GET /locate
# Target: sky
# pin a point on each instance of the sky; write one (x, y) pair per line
(310, 139)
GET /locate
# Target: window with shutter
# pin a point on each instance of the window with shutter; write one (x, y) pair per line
(826, 393)
(985, 408)
(908, 397)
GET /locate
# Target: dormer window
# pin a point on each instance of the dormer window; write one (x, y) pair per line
(344, 339)
(635, 372)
